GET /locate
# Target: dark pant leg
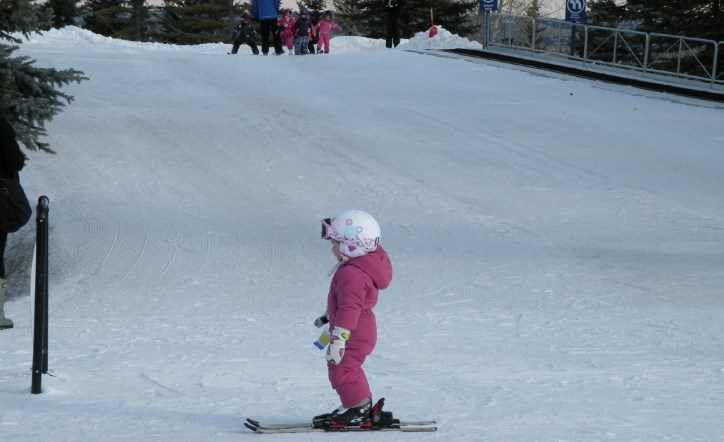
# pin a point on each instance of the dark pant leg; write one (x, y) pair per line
(253, 47)
(264, 28)
(393, 27)
(277, 37)
(235, 47)
(3, 241)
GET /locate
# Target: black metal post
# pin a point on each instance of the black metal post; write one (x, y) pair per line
(40, 322)
(44, 256)
(487, 30)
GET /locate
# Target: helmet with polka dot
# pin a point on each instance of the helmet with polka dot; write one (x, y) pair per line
(357, 232)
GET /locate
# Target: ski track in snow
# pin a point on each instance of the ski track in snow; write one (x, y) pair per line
(547, 286)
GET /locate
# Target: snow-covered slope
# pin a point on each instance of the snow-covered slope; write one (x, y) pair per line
(557, 246)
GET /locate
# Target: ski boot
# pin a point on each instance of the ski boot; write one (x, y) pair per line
(357, 416)
(382, 419)
(4, 322)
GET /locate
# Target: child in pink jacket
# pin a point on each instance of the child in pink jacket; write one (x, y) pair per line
(324, 29)
(286, 23)
(363, 269)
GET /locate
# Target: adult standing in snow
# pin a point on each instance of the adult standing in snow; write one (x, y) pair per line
(393, 7)
(363, 269)
(12, 161)
(265, 11)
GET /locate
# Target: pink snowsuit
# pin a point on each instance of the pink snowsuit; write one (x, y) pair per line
(324, 29)
(352, 295)
(286, 24)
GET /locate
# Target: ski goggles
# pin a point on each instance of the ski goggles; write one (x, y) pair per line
(327, 230)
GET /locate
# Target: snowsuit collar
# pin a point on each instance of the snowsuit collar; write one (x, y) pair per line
(376, 264)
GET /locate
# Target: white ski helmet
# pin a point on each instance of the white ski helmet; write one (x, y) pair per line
(357, 231)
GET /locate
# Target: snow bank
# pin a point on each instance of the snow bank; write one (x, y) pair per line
(75, 36)
(443, 40)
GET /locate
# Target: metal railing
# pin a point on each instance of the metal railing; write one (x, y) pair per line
(672, 58)
(719, 64)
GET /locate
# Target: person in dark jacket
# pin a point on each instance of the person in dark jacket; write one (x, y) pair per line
(314, 17)
(303, 32)
(265, 11)
(244, 33)
(394, 8)
(12, 161)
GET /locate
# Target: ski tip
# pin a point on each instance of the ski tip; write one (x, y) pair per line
(417, 429)
(251, 427)
(253, 422)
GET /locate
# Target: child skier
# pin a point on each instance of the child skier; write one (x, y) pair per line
(314, 39)
(363, 269)
(286, 23)
(324, 29)
(302, 32)
(245, 33)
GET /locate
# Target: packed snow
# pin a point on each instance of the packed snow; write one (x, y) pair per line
(557, 243)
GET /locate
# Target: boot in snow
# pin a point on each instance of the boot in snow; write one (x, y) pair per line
(4, 322)
(358, 415)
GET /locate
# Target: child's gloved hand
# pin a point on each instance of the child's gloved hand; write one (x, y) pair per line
(322, 320)
(337, 344)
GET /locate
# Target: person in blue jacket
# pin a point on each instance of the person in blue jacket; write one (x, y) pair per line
(265, 11)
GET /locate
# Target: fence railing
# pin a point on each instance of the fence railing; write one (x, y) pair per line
(719, 65)
(672, 58)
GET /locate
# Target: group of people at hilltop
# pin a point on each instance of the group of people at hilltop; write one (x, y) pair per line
(300, 33)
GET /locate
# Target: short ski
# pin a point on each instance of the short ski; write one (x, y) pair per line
(377, 420)
(340, 430)
(404, 426)
(258, 424)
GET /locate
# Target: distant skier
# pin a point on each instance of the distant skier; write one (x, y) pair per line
(286, 23)
(303, 32)
(244, 33)
(393, 7)
(314, 39)
(324, 30)
(363, 269)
